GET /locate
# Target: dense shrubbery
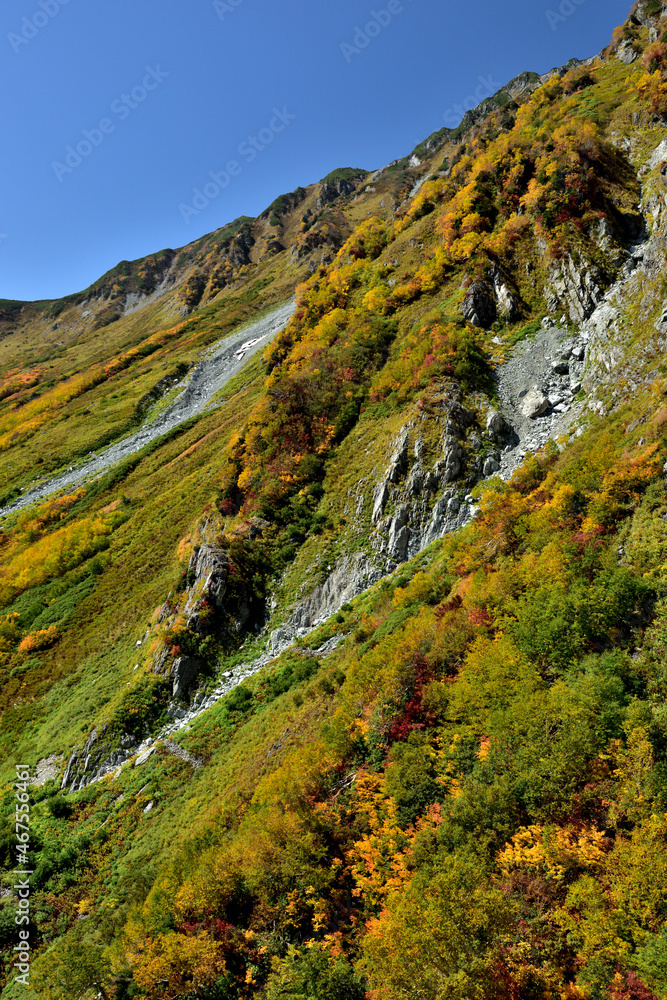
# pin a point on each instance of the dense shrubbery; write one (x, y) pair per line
(486, 799)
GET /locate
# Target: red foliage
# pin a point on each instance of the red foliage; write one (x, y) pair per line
(506, 988)
(632, 988)
(478, 616)
(582, 539)
(448, 606)
(414, 715)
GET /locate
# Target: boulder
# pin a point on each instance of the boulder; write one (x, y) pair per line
(535, 404)
(184, 673)
(399, 535)
(142, 758)
(210, 564)
(209, 571)
(479, 305)
(398, 545)
(453, 459)
(576, 288)
(495, 425)
(661, 324)
(415, 481)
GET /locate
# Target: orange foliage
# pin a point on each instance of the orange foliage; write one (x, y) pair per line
(43, 639)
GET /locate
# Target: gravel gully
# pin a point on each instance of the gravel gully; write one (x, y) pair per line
(218, 366)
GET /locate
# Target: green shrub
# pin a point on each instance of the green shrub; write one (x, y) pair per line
(59, 807)
(314, 974)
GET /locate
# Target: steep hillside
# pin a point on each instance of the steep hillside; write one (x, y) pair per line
(333, 579)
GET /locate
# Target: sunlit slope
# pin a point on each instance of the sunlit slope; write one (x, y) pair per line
(455, 786)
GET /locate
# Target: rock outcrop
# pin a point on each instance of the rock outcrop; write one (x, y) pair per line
(185, 671)
(574, 289)
(209, 572)
(349, 578)
(479, 305)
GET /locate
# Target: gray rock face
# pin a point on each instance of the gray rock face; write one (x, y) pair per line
(416, 481)
(627, 53)
(506, 304)
(535, 403)
(380, 498)
(452, 461)
(479, 305)
(642, 14)
(576, 290)
(210, 568)
(399, 461)
(661, 322)
(399, 536)
(184, 672)
(349, 577)
(46, 770)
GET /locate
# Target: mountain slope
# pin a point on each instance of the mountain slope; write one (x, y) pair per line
(354, 684)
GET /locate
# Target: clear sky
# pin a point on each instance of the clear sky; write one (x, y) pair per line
(170, 91)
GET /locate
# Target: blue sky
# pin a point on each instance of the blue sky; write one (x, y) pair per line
(115, 111)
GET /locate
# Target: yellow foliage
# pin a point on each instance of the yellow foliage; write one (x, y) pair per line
(375, 301)
(420, 590)
(245, 479)
(553, 851)
(10, 632)
(652, 88)
(176, 962)
(53, 555)
(621, 486)
(378, 861)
